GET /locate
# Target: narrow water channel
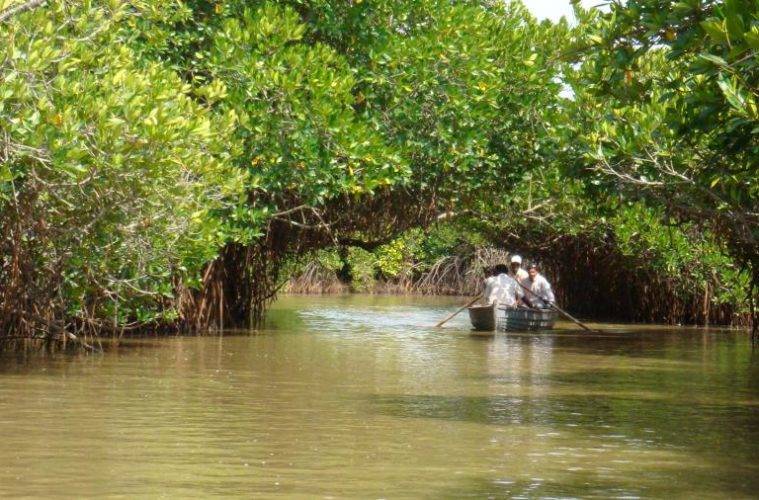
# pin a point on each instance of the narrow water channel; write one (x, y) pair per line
(360, 397)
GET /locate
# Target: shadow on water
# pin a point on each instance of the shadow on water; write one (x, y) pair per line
(674, 364)
(709, 428)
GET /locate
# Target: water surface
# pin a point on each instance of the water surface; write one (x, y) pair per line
(360, 397)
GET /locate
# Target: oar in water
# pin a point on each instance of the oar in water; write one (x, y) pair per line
(446, 320)
(560, 310)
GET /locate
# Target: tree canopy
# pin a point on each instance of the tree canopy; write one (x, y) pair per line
(160, 160)
(666, 110)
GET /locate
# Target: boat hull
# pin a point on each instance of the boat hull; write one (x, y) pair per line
(525, 319)
(483, 318)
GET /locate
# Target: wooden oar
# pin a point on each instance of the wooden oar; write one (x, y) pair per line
(446, 320)
(560, 310)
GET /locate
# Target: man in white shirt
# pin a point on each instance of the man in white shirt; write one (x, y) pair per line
(516, 271)
(501, 289)
(542, 295)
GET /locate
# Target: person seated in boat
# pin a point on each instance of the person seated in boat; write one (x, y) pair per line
(516, 270)
(542, 295)
(501, 289)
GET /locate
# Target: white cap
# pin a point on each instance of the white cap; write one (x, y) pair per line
(516, 259)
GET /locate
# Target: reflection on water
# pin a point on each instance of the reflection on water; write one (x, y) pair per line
(359, 396)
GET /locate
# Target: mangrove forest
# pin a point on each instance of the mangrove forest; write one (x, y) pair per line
(175, 165)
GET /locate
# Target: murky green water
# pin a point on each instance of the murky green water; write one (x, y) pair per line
(358, 397)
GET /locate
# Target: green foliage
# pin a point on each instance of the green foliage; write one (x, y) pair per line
(666, 111)
(293, 101)
(330, 260)
(111, 168)
(401, 255)
(691, 258)
(138, 139)
(462, 96)
(296, 133)
(391, 258)
(361, 265)
(445, 240)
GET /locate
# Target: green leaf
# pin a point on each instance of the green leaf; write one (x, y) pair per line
(714, 59)
(5, 173)
(752, 38)
(716, 30)
(733, 96)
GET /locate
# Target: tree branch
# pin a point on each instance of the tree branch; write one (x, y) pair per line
(18, 9)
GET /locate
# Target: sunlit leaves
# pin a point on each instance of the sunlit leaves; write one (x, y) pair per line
(675, 122)
(461, 96)
(299, 131)
(110, 154)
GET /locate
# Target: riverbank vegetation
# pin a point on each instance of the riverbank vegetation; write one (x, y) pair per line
(640, 269)
(169, 164)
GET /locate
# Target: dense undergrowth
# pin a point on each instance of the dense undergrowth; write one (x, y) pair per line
(169, 164)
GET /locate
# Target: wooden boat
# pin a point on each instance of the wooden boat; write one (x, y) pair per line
(524, 319)
(488, 318)
(483, 318)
